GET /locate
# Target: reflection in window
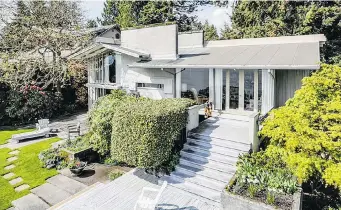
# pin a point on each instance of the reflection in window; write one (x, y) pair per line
(112, 69)
(151, 85)
(249, 90)
(234, 89)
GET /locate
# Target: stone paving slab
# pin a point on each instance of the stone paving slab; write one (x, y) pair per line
(30, 202)
(22, 187)
(9, 167)
(16, 181)
(11, 159)
(67, 184)
(14, 152)
(8, 176)
(50, 193)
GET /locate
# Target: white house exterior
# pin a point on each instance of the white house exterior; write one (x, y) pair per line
(158, 62)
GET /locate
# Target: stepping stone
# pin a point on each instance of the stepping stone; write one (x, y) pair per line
(65, 183)
(22, 187)
(11, 159)
(9, 167)
(50, 193)
(29, 202)
(14, 152)
(9, 175)
(16, 181)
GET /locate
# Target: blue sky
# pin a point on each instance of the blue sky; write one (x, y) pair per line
(214, 15)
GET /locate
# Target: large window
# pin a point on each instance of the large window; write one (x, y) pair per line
(112, 68)
(102, 69)
(150, 85)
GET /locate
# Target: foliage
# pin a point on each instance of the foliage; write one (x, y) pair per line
(7, 134)
(307, 131)
(253, 19)
(35, 41)
(114, 175)
(28, 167)
(53, 158)
(270, 198)
(100, 118)
(143, 131)
(78, 144)
(261, 171)
(31, 103)
(78, 77)
(91, 24)
(210, 32)
(75, 164)
(152, 12)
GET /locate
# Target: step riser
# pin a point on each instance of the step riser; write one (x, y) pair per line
(230, 169)
(217, 150)
(209, 138)
(213, 185)
(213, 174)
(219, 143)
(214, 157)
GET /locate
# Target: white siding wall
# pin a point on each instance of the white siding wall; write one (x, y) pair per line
(191, 39)
(161, 41)
(268, 90)
(287, 82)
(130, 76)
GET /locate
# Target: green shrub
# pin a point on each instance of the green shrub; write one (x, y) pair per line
(259, 171)
(100, 118)
(31, 103)
(114, 175)
(307, 130)
(143, 132)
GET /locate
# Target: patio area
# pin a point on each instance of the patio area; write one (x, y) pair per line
(123, 193)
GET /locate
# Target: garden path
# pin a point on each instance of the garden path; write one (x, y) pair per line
(59, 124)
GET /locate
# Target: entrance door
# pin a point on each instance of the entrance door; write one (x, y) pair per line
(240, 90)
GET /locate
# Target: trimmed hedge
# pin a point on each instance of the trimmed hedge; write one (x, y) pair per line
(144, 131)
(100, 118)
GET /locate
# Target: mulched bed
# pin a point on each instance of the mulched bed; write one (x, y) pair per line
(282, 201)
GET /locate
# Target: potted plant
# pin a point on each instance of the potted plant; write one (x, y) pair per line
(76, 166)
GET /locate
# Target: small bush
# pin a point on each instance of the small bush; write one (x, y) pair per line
(143, 132)
(31, 103)
(260, 171)
(114, 175)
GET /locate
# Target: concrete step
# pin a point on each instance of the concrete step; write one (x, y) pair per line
(209, 141)
(212, 150)
(198, 190)
(89, 191)
(200, 162)
(70, 185)
(29, 202)
(233, 144)
(50, 193)
(188, 168)
(200, 180)
(206, 155)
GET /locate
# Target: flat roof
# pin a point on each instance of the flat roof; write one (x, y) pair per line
(296, 55)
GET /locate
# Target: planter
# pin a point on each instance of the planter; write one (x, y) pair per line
(237, 202)
(79, 170)
(84, 154)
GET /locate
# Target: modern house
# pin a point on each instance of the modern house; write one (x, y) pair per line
(159, 62)
(243, 78)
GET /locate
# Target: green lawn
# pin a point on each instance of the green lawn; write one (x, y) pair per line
(28, 167)
(5, 135)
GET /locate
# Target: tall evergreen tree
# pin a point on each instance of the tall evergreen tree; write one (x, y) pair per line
(210, 31)
(251, 19)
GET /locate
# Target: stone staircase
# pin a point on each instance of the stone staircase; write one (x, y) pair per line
(208, 163)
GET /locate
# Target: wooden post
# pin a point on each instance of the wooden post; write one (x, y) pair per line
(178, 83)
(227, 90)
(241, 90)
(255, 91)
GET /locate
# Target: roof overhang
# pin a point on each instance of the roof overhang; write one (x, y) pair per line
(299, 56)
(98, 48)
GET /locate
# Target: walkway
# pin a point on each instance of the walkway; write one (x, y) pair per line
(59, 124)
(122, 194)
(57, 189)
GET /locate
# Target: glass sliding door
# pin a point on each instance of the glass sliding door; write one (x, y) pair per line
(249, 90)
(234, 89)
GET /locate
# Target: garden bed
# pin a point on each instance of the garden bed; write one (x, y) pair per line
(239, 199)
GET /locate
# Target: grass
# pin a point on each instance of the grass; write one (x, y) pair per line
(28, 167)
(7, 134)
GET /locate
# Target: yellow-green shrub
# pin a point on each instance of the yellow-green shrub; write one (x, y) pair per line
(307, 130)
(143, 132)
